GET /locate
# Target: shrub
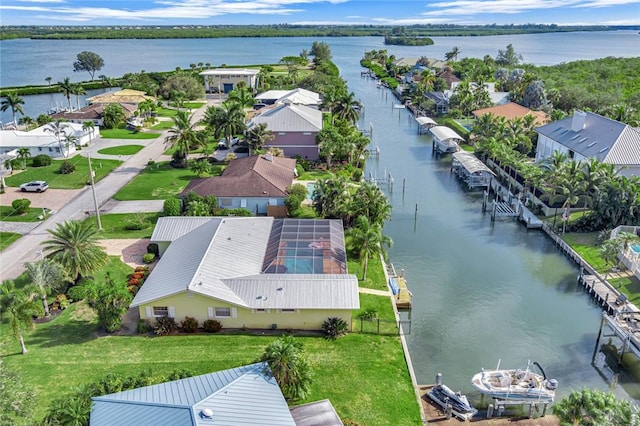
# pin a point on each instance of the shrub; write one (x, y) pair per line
(293, 202)
(151, 163)
(297, 189)
(334, 327)
(233, 212)
(153, 248)
(136, 222)
(172, 207)
(41, 160)
(212, 326)
(144, 327)
(369, 314)
(164, 326)
(60, 303)
(148, 258)
(189, 325)
(143, 269)
(21, 205)
(67, 167)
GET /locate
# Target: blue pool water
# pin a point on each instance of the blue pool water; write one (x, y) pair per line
(636, 248)
(310, 188)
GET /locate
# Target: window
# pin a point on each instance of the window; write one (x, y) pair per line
(282, 133)
(306, 133)
(288, 311)
(261, 311)
(243, 203)
(51, 149)
(223, 312)
(226, 202)
(160, 311)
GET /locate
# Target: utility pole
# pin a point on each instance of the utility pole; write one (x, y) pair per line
(93, 189)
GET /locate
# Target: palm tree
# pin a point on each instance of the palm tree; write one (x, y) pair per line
(14, 102)
(89, 126)
(332, 198)
(368, 240)
(74, 246)
(23, 154)
(20, 309)
(67, 88)
(26, 121)
(452, 55)
(213, 120)
(257, 136)
(58, 129)
(594, 407)
(242, 96)
(347, 108)
(286, 363)
(370, 202)
(78, 90)
(47, 277)
(183, 136)
(233, 121)
(610, 252)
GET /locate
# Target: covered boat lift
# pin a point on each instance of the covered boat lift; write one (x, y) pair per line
(424, 124)
(445, 139)
(471, 170)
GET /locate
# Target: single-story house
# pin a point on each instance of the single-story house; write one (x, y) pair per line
(445, 139)
(513, 110)
(246, 395)
(441, 100)
(296, 96)
(39, 141)
(224, 80)
(254, 272)
(254, 183)
(587, 135)
(448, 76)
(497, 98)
(405, 62)
(92, 112)
(295, 128)
(124, 96)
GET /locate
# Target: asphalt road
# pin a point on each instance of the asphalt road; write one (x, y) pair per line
(27, 248)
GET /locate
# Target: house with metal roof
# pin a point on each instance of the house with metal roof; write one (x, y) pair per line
(294, 127)
(245, 395)
(224, 80)
(296, 96)
(587, 135)
(40, 141)
(254, 272)
(258, 183)
(93, 113)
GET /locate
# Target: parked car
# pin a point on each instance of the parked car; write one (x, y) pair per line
(34, 186)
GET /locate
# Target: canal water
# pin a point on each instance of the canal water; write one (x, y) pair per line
(482, 291)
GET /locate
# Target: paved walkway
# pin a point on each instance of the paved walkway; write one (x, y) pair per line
(142, 206)
(18, 227)
(373, 291)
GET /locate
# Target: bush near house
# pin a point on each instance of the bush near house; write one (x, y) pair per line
(165, 326)
(67, 167)
(41, 160)
(189, 325)
(21, 205)
(212, 326)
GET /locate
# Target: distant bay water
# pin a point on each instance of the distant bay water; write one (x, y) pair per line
(30, 62)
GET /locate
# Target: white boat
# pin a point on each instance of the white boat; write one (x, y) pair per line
(516, 385)
(460, 406)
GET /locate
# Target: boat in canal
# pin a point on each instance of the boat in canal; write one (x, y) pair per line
(520, 384)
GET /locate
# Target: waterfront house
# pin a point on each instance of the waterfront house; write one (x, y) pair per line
(39, 141)
(294, 127)
(440, 99)
(254, 272)
(296, 97)
(224, 80)
(513, 110)
(258, 183)
(124, 96)
(587, 135)
(92, 113)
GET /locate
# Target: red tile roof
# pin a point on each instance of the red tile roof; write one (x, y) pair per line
(513, 110)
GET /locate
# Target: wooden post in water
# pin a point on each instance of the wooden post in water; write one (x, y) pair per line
(624, 348)
(403, 182)
(415, 218)
(595, 350)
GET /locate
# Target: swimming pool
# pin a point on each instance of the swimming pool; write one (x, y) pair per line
(635, 248)
(310, 188)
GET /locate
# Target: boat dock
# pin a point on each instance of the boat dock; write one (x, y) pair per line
(398, 285)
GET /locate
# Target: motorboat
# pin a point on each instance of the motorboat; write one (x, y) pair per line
(520, 384)
(443, 396)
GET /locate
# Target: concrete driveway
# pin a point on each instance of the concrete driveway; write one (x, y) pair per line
(52, 199)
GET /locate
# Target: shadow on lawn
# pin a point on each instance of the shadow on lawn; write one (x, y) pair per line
(69, 333)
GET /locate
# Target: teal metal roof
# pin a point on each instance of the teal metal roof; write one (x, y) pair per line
(242, 396)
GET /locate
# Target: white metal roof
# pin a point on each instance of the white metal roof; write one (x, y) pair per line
(444, 133)
(426, 120)
(38, 137)
(170, 228)
(237, 396)
(231, 71)
(289, 118)
(470, 162)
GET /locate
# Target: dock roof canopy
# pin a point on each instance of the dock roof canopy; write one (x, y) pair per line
(470, 162)
(444, 133)
(422, 121)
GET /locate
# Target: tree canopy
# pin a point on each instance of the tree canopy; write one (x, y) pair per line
(89, 62)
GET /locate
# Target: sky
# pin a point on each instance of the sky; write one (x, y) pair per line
(318, 12)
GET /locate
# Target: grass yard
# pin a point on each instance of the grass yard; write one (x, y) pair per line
(114, 225)
(121, 150)
(162, 125)
(375, 274)
(585, 244)
(315, 175)
(126, 134)
(158, 182)
(7, 214)
(167, 112)
(7, 238)
(75, 180)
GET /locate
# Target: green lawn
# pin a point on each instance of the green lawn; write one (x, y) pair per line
(113, 225)
(375, 274)
(126, 134)
(315, 175)
(162, 125)
(7, 214)
(121, 150)
(585, 244)
(167, 112)
(158, 182)
(75, 180)
(6, 238)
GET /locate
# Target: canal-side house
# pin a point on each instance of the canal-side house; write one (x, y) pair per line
(294, 128)
(258, 183)
(245, 395)
(587, 135)
(254, 272)
(296, 96)
(93, 113)
(124, 96)
(513, 110)
(39, 141)
(224, 80)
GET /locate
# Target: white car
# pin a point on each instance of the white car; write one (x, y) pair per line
(34, 186)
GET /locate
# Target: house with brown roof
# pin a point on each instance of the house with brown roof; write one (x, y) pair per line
(93, 113)
(255, 183)
(513, 110)
(124, 96)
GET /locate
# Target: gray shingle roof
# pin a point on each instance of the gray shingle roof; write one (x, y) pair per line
(238, 396)
(289, 118)
(607, 140)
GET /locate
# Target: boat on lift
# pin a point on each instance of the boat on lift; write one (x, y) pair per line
(443, 396)
(520, 384)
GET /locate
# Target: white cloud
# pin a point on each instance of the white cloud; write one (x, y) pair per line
(608, 3)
